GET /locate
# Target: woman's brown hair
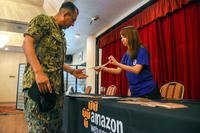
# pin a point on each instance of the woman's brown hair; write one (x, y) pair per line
(134, 41)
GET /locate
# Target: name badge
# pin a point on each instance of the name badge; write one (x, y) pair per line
(134, 62)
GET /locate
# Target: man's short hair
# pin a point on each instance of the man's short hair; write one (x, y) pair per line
(70, 6)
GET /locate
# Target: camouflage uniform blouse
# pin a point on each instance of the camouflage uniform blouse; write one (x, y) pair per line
(50, 47)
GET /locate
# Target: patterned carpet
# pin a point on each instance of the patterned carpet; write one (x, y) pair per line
(9, 109)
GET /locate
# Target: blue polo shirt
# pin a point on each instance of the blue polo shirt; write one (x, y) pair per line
(142, 83)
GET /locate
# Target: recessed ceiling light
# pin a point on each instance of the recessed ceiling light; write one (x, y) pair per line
(77, 35)
(4, 40)
(94, 18)
(6, 48)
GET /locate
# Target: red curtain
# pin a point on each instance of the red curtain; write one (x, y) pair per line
(173, 42)
(159, 9)
(117, 50)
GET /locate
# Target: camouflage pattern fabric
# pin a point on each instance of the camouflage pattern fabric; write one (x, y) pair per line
(50, 47)
(50, 122)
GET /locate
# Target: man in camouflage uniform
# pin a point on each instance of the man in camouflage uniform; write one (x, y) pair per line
(45, 48)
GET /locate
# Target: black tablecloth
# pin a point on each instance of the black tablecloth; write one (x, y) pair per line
(109, 116)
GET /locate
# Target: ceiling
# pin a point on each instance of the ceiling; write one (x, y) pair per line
(15, 14)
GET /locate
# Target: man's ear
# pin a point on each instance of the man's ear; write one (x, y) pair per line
(65, 13)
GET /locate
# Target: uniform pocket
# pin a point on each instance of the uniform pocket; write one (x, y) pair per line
(57, 37)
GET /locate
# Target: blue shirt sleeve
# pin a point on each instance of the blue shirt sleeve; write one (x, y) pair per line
(143, 57)
(124, 58)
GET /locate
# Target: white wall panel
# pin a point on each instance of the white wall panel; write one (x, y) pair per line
(9, 63)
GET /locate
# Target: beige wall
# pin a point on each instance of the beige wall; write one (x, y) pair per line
(9, 63)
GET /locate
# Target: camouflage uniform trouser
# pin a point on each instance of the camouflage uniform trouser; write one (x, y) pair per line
(50, 122)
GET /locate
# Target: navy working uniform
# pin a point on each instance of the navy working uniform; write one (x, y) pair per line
(50, 48)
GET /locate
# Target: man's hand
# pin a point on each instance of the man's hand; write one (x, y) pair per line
(78, 73)
(43, 83)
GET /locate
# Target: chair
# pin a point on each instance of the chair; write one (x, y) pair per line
(70, 90)
(172, 90)
(102, 90)
(111, 90)
(129, 92)
(88, 89)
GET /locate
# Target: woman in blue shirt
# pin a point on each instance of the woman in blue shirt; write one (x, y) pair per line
(135, 62)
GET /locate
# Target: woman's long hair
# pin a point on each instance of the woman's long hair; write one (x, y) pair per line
(134, 41)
